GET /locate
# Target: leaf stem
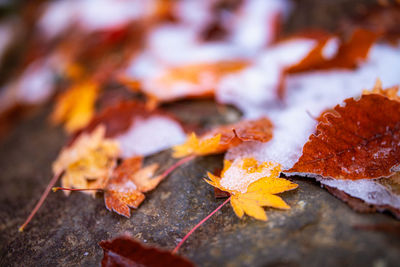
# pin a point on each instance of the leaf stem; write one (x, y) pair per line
(40, 202)
(176, 165)
(198, 225)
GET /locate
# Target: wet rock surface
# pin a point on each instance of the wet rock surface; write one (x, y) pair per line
(318, 229)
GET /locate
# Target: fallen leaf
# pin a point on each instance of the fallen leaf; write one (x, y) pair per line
(138, 130)
(124, 251)
(252, 186)
(127, 184)
(357, 141)
(188, 81)
(88, 162)
(76, 106)
(349, 54)
(224, 137)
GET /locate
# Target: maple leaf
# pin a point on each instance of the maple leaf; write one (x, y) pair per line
(224, 137)
(127, 184)
(355, 141)
(75, 107)
(124, 251)
(88, 162)
(252, 186)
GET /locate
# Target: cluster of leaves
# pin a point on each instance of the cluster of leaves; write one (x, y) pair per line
(355, 145)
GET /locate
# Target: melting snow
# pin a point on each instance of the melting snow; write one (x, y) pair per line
(148, 136)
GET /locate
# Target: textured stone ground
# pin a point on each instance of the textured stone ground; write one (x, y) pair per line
(318, 229)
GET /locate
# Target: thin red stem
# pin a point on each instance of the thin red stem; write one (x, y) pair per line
(198, 225)
(55, 189)
(40, 202)
(176, 165)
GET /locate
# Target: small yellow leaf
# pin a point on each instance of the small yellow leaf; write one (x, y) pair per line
(257, 194)
(75, 107)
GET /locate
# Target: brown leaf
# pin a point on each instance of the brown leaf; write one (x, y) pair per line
(124, 251)
(356, 141)
(127, 184)
(120, 117)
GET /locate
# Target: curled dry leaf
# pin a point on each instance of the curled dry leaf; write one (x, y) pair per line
(124, 251)
(348, 55)
(127, 184)
(75, 107)
(252, 186)
(188, 81)
(224, 137)
(88, 162)
(356, 141)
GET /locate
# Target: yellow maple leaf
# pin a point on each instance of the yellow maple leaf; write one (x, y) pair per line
(197, 147)
(252, 186)
(75, 107)
(88, 162)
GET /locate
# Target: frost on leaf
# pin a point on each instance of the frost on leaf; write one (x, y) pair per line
(75, 107)
(127, 184)
(368, 195)
(88, 162)
(124, 251)
(356, 141)
(139, 131)
(223, 137)
(252, 186)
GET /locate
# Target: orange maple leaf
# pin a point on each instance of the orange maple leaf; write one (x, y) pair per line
(349, 53)
(252, 186)
(76, 106)
(127, 184)
(225, 137)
